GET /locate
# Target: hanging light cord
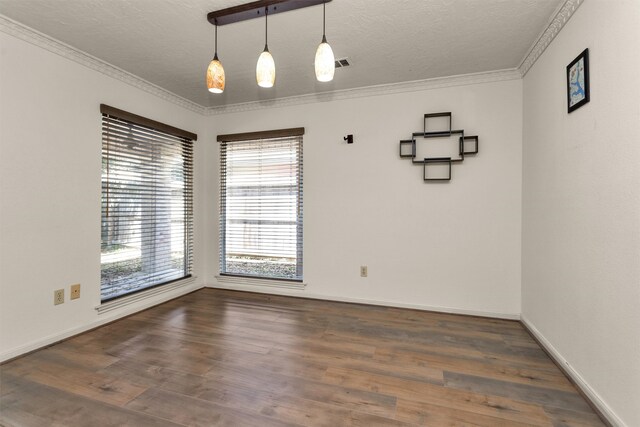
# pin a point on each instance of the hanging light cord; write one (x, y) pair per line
(324, 18)
(215, 55)
(266, 24)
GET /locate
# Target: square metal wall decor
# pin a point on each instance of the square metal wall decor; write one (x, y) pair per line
(428, 175)
(469, 144)
(408, 148)
(437, 147)
(430, 130)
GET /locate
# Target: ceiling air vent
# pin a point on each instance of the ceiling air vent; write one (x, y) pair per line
(342, 62)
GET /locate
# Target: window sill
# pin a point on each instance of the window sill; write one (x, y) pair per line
(273, 283)
(131, 299)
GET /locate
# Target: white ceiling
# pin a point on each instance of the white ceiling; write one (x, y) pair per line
(170, 42)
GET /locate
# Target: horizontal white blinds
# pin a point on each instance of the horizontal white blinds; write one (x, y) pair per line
(261, 207)
(147, 207)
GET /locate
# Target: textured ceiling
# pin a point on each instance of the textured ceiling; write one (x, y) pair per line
(170, 43)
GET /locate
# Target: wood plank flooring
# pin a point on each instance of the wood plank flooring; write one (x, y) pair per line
(223, 358)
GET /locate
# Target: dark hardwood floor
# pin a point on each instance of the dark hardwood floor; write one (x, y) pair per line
(214, 358)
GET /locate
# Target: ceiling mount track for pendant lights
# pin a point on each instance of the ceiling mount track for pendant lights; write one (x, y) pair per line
(257, 9)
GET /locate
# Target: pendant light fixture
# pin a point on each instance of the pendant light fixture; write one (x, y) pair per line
(266, 67)
(325, 61)
(215, 72)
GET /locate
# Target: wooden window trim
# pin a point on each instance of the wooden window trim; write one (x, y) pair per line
(143, 121)
(268, 134)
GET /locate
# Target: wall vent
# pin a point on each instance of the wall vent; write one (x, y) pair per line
(342, 62)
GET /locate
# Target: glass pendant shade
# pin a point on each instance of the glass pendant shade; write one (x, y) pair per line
(215, 71)
(215, 76)
(325, 62)
(266, 69)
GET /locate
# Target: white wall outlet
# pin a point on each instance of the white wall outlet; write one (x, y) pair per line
(58, 296)
(74, 291)
(363, 271)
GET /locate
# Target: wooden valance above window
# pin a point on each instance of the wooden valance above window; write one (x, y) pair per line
(143, 121)
(268, 134)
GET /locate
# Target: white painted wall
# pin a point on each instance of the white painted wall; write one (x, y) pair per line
(50, 145)
(425, 244)
(581, 206)
(452, 247)
(446, 246)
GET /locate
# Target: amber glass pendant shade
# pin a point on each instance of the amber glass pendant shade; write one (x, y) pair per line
(215, 76)
(215, 71)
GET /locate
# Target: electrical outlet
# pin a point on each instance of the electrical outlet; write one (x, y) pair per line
(75, 291)
(58, 296)
(363, 271)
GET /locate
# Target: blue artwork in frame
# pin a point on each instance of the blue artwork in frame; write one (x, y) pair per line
(578, 82)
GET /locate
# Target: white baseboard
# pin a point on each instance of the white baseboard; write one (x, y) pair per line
(300, 293)
(101, 320)
(594, 397)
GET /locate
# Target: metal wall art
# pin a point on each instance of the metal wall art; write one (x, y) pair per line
(466, 145)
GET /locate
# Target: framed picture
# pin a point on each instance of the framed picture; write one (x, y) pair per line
(578, 82)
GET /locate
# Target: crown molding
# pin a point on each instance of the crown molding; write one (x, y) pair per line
(564, 12)
(556, 23)
(22, 32)
(386, 89)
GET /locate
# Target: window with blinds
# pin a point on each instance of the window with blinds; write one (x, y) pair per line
(261, 204)
(147, 203)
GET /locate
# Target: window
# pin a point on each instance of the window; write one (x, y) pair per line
(147, 203)
(261, 204)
